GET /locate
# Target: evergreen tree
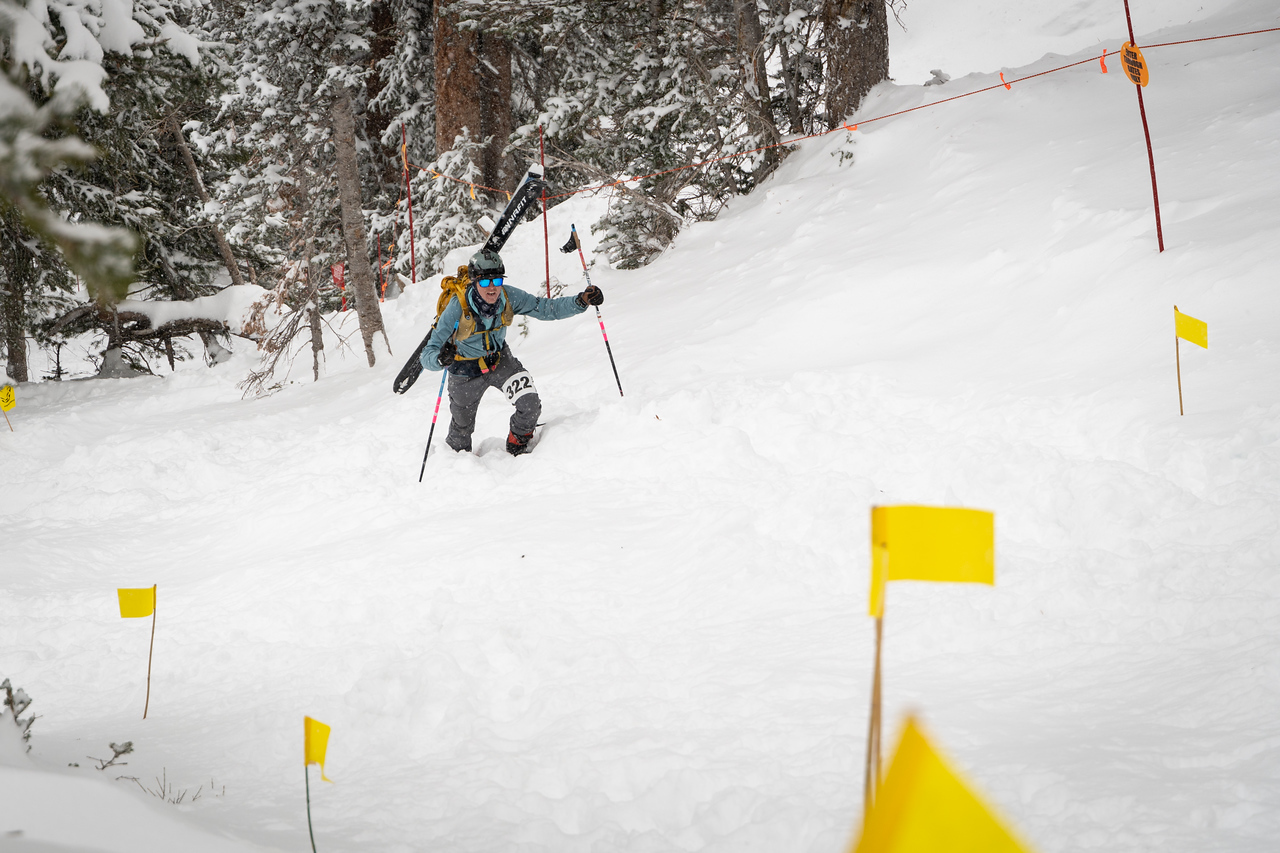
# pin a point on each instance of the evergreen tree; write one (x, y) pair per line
(644, 88)
(105, 52)
(304, 70)
(280, 153)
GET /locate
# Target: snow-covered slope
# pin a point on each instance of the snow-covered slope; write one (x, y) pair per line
(650, 634)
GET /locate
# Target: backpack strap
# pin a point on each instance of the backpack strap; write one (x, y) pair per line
(468, 326)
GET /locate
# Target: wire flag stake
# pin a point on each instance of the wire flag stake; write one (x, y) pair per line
(573, 243)
(315, 743)
(138, 603)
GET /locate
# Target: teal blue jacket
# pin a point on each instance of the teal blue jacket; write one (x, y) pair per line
(538, 307)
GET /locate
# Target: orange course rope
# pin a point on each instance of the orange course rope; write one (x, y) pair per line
(1003, 84)
(1211, 38)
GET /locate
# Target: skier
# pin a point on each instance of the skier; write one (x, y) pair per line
(476, 353)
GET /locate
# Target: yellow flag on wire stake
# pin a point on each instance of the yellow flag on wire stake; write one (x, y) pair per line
(315, 740)
(7, 402)
(136, 603)
(315, 743)
(1190, 329)
(927, 543)
(925, 807)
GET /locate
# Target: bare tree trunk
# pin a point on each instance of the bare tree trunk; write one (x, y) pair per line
(498, 123)
(790, 74)
(376, 121)
(473, 92)
(755, 81)
(361, 274)
(15, 339)
(457, 82)
(855, 36)
(18, 273)
(313, 318)
(224, 248)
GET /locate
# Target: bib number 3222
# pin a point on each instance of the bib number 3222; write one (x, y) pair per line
(518, 386)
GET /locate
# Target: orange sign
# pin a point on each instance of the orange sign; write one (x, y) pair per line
(1134, 65)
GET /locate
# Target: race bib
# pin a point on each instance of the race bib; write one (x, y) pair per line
(519, 385)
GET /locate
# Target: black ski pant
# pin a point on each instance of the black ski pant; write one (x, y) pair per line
(465, 392)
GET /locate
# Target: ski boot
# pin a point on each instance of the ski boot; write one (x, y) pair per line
(518, 444)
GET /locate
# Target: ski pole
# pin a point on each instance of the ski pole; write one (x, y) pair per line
(435, 415)
(575, 242)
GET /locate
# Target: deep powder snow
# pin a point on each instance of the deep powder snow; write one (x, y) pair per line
(650, 633)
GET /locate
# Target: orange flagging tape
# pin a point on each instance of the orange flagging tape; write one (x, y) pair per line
(474, 187)
(1103, 61)
(1006, 85)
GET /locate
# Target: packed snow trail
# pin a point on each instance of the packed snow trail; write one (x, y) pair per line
(650, 634)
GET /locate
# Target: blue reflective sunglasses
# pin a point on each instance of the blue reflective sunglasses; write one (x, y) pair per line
(496, 281)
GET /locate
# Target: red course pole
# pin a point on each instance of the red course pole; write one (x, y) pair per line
(546, 243)
(1146, 131)
(408, 194)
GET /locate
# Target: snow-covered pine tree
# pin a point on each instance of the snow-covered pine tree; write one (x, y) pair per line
(792, 38)
(141, 180)
(303, 75)
(643, 88)
(446, 209)
(119, 68)
(401, 107)
(646, 87)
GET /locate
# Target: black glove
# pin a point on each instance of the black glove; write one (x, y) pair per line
(448, 354)
(591, 296)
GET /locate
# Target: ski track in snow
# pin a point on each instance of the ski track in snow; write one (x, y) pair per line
(650, 634)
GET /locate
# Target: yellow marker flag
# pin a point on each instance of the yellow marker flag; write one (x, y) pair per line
(473, 192)
(315, 743)
(137, 602)
(924, 807)
(929, 543)
(1190, 329)
(404, 155)
(7, 398)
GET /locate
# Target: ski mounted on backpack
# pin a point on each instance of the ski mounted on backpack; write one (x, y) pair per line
(530, 190)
